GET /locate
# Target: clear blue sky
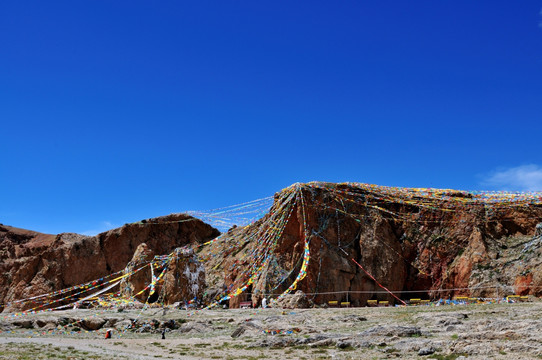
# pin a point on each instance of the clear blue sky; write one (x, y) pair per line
(115, 111)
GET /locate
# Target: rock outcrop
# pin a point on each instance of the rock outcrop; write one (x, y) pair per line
(134, 285)
(32, 263)
(293, 301)
(183, 277)
(424, 243)
(406, 244)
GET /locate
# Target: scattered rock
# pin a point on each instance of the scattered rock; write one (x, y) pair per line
(449, 321)
(312, 339)
(25, 323)
(275, 342)
(123, 325)
(411, 344)
(254, 324)
(45, 321)
(293, 301)
(325, 342)
(238, 332)
(169, 324)
(110, 322)
(193, 327)
(349, 318)
(50, 326)
(401, 331)
(426, 351)
(63, 321)
(93, 323)
(342, 344)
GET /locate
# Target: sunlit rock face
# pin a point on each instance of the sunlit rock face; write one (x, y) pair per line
(334, 242)
(33, 263)
(441, 239)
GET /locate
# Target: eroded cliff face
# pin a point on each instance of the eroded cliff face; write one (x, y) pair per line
(405, 246)
(32, 263)
(359, 237)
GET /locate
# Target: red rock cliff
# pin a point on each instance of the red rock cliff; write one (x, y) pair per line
(431, 240)
(32, 263)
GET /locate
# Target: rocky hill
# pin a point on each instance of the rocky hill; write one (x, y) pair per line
(361, 239)
(32, 263)
(335, 242)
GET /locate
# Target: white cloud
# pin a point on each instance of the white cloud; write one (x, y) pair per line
(103, 226)
(520, 178)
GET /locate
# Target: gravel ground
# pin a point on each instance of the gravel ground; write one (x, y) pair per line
(498, 331)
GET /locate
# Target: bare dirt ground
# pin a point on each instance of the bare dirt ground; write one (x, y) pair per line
(498, 331)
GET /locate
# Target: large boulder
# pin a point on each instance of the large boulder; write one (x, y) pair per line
(183, 278)
(298, 300)
(132, 285)
(92, 323)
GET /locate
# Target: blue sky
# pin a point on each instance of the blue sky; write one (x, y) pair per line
(115, 111)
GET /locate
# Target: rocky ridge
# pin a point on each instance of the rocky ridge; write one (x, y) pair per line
(479, 250)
